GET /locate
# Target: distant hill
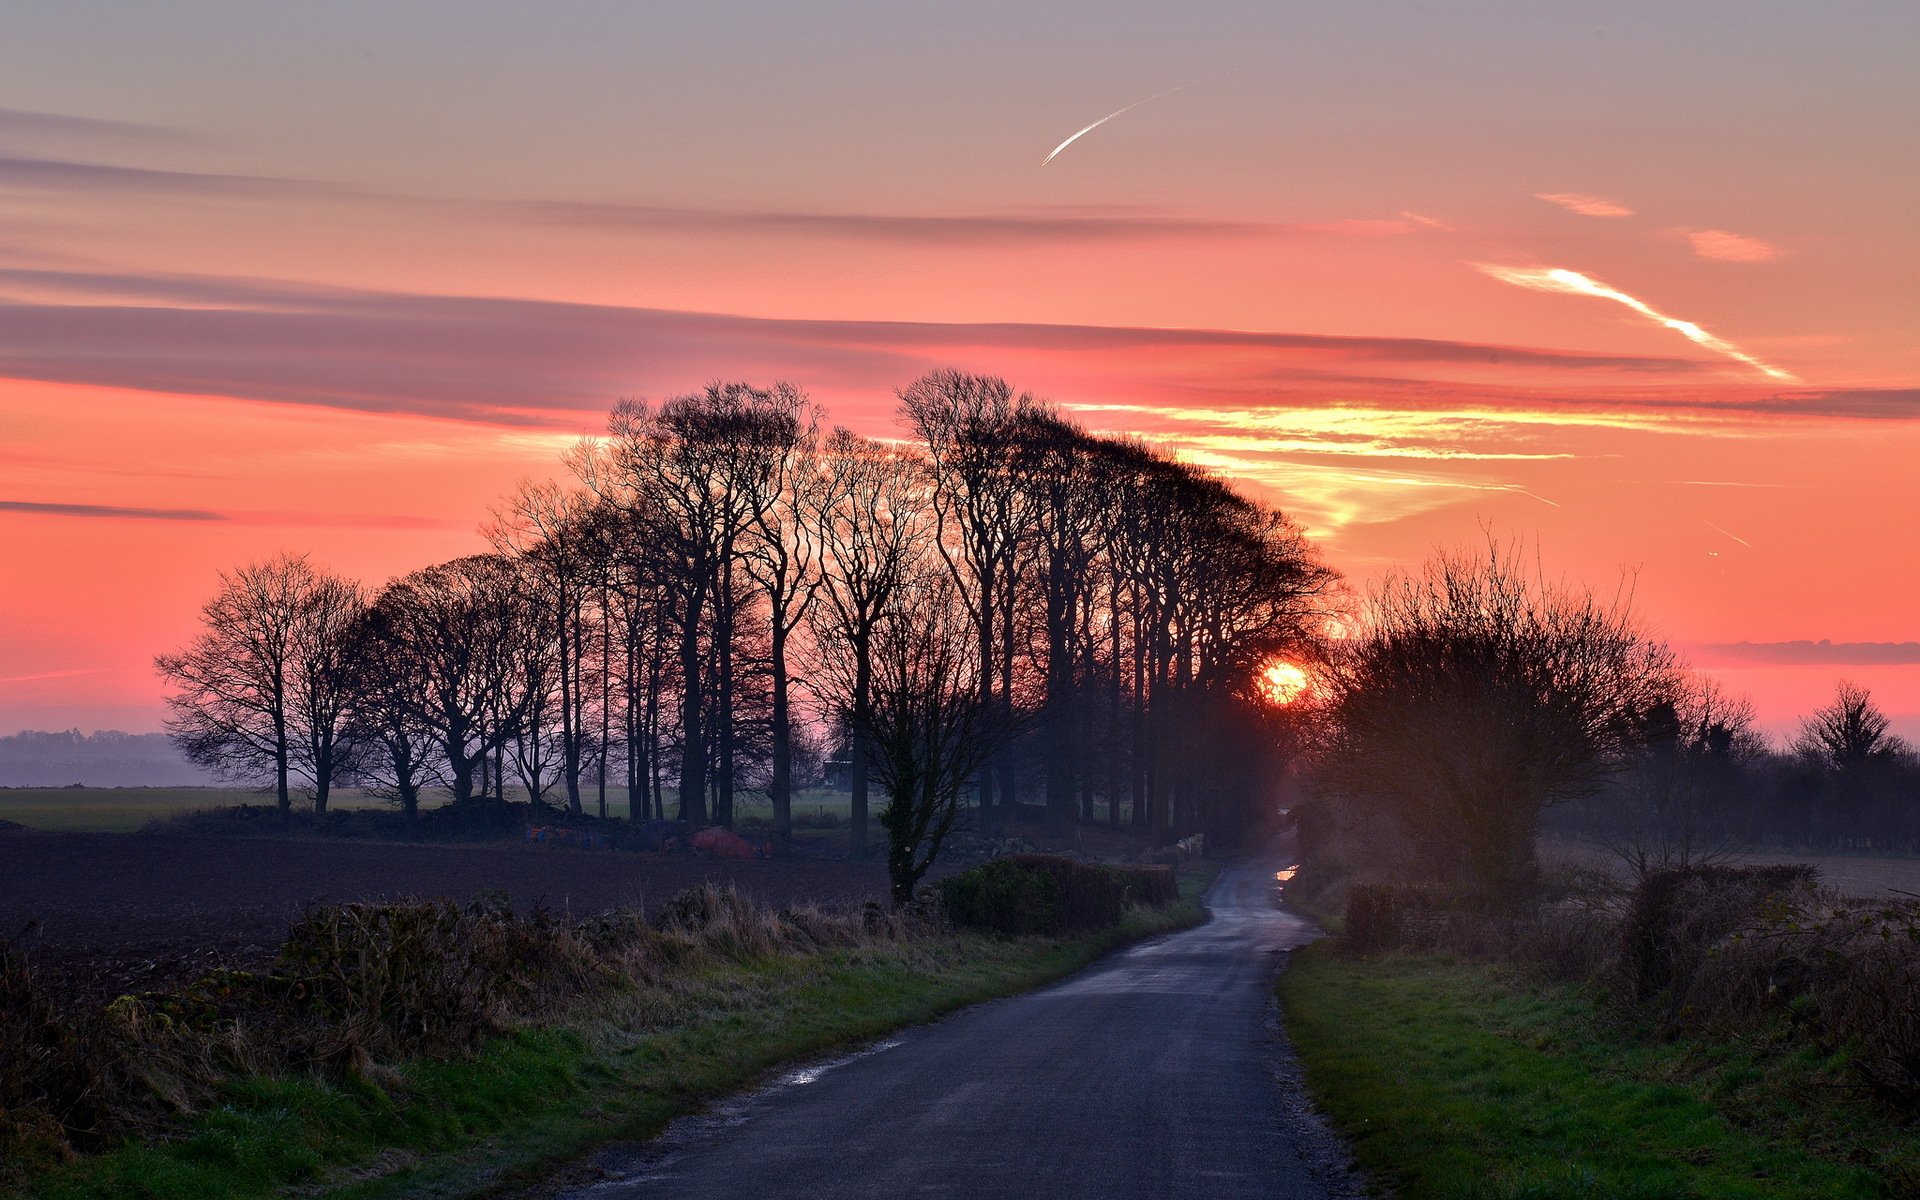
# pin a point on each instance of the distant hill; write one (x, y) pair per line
(109, 758)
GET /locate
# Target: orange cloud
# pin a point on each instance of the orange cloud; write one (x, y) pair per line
(1722, 246)
(1585, 205)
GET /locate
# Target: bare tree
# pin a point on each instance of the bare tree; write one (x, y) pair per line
(1474, 697)
(325, 645)
(924, 725)
(869, 518)
(783, 558)
(1856, 763)
(459, 632)
(395, 747)
(262, 691)
(554, 530)
(693, 471)
(970, 425)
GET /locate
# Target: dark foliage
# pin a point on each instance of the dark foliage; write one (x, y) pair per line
(1678, 914)
(1045, 894)
(55, 1082)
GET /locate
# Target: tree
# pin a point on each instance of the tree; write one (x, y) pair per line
(783, 558)
(1472, 698)
(457, 636)
(263, 690)
(395, 745)
(555, 531)
(1670, 806)
(321, 700)
(970, 426)
(1856, 762)
(693, 470)
(868, 516)
(925, 726)
(1850, 734)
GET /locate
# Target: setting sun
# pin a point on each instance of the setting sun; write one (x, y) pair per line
(1283, 682)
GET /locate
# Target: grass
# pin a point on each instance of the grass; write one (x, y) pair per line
(615, 1069)
(1462, 1080)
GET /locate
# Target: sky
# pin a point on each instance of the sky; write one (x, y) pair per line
(1636, 283)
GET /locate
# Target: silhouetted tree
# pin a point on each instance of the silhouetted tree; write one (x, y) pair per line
(969, 425)
(783, 559)
(925, 726)
(555, 532)
(460, 631)
(262, 691)
(1473, 697)
(869, 518)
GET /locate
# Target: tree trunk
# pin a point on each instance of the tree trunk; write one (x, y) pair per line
(282, 794)
(693, 751)
(781, 789)
(857, 749)
(723, 711)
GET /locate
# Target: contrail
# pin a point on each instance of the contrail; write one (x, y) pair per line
(1736, 537)
(1110, 116)
(1573, 283)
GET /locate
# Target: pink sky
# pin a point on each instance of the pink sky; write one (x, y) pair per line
(1641, 289)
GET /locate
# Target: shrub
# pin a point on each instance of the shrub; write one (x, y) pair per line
(54, 1077)
(1046, 894)
(1678, 915)
(1872, 1009)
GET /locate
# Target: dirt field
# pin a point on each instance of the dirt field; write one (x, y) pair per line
(105, 913)
(126, 809)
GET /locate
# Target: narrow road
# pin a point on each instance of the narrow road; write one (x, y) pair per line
(1151, 1074)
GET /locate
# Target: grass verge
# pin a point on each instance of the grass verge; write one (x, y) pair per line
(1463, 1080)
(617, 1067)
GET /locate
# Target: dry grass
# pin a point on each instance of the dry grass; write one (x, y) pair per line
(1755, 954)
(359, 988)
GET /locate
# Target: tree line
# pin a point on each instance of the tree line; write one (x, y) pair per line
(723, 591)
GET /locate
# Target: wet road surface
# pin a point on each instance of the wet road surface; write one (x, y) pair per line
(1150, 1074)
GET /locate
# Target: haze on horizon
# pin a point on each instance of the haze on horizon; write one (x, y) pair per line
(1639, 287)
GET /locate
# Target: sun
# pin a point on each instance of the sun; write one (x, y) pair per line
(1283, 682)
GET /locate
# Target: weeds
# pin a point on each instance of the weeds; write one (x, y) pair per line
(359, 988)
(1724, 954)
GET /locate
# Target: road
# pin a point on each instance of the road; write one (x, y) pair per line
(1150, 1074)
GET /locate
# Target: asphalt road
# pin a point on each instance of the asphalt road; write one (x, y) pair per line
(1150, 1074)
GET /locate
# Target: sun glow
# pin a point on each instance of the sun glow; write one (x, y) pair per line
(1283, 682)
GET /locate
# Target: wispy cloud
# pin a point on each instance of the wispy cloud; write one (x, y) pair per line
(1811, 653)
(52, 174)
(1573, 283)
(1585, 205)
(547, 365)
(37, 676)
(52, 509)
(19, 125)
(1335, 430)
(1426, 221)
(1051, 224)
(1048, 225)
(1722, 246)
